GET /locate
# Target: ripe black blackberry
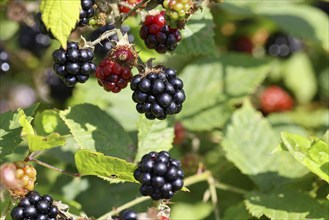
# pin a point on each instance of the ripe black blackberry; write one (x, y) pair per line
(58, 91)
(4, 61)
(35, 206)
(128, 214)
(282, 45)
(31, 39)
(157, 35)
(86, 12)
(102, 49)
(158, 93)
(160, 175)
(73, 65)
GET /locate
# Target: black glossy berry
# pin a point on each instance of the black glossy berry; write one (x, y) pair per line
(160, 175)
(70, 80)
(24, 202)
(128, 215)
(34, 197)
(41, 217)
(87, 11)
(17, 213)
(30, 212)
(47, 198)
(72, 68)
(53, 211)
(158, 93)
(59, 56)
(72, 55)
(43, 206)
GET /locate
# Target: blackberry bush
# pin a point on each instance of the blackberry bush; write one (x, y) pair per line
(35, 206)
(4, 61)
(106, 46)
(74, 65)
(160, 175)
(157, 35)
(158, 93)
(86, 12)
(112, 76)
(282, 45)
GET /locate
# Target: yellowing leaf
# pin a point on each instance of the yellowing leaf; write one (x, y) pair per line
(37, 142)
(60, 17)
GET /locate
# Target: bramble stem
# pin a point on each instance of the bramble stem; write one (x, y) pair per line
(104, 36)
(53, 168)
(5, 210)
(226, 187)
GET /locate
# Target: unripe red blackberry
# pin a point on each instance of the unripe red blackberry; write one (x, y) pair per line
(18, 178)
(157, 35)
(124, 53)
(112, 76)
(73, 65)
(160, 175)
(275, 99)
(131, 3)
(35, 206)
(158, 92)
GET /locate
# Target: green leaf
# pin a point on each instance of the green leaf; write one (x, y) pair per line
(285, 205)
(314, 154)
(10, 132)
(238, 211)
(24, 121)
(112, 169)
(211, 84)
(198, 35)
(36, 142)
(49, 121)
(300, 67)
(195, 211)
(248, 143)
(94, 129)
(60, 17)
(154, 135)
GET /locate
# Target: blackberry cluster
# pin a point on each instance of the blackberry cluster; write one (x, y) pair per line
(86, 12)
(126, 214)
(112, 76)
(176, 10)
(58, 91)
(282, 45)
(26, 176)
(105, 46)
(158, 94)
(73, 65)
(157, 35)
(132, 3)
(33, 40)
(35, 206)
(4, 61)
(160, 175)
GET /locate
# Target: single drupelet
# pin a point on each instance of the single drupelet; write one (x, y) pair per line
(158, 93)
(35, 206)
(160, 175)
(157, 35)
(74, 65)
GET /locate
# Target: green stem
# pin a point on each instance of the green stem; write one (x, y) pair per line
(213, 194)
(53, 168)
(226, 187)
(6, 209)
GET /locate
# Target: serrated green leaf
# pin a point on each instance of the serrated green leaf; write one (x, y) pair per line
(248, 143)
(49, 121)
(26, 125)
(285, 205)
(300, 67)
(60, 17)
(314, 154)
(94, 129)
(212, 83)
(36, 142)
(111, 169)
(10, 132)
(195, 211)
(154, 135)
(198, 35)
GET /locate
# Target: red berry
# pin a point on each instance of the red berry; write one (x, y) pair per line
(125, 55)
(113, 77)
(159, 20)
(149, 20)
(180, 133)
(132, 3)
(275, 99)
(243, 44)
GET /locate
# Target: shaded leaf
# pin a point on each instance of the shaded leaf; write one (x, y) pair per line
(285, 205)
(238, 211)
(314, 154)
(112, 169)
(94, 129)
(154, 135)
(60, 17)
(248, 143)
(195, 211)
(49, 121)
